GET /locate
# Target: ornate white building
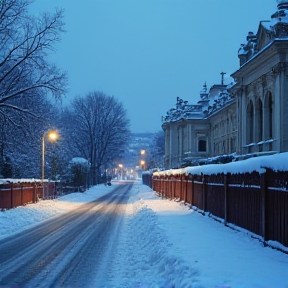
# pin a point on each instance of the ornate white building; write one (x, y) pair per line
(261, 87)
(248, 116)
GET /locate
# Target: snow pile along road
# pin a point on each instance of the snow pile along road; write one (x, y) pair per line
(143, 256)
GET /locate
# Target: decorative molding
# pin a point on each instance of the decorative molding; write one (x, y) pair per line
(257, 87)
(270, 79)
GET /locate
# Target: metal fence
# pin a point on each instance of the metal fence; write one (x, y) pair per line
(18, 194)
(253, 201)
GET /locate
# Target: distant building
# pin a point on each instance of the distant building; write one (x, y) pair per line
(202, 130)
(245, 116)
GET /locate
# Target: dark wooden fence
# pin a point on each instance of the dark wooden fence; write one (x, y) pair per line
(18, 194)
(147, 178)
(253, 201)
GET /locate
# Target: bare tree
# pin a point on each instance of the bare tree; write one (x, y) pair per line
(20, 145)
(157, 150)
(99, 129)
(25, 44)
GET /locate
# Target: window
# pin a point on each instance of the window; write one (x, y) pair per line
(202, 145)
(268, 111)
(259, 120)
(249, 123)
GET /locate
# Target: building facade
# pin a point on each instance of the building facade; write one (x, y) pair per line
(247, 116)
(200, 131)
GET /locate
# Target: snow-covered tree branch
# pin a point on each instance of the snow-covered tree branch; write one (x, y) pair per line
(25, 44)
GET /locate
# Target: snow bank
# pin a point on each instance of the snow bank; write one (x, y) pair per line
(144, 257)
(277, 162)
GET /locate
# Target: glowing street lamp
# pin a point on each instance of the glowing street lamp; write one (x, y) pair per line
(51, 135)
(142, 152)
(121, 169)
(142, 163)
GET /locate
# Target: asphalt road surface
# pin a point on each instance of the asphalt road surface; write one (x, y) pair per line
(67, 251)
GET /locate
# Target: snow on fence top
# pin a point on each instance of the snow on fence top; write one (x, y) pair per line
(276, 162)
(22, 180)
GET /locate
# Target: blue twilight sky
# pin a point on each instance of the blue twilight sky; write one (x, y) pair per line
(148, 52)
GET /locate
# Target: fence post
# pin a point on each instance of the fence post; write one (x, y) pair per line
(173, 187)
(12, 196)
(21, 185)
(164, 186)
(192, 191)
(203, 193)
(181, 188)
(225, 199)
(34, 193)
(186, 187)
(263, 188)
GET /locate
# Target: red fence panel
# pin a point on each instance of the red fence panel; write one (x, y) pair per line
(253, 201)
(198, 192)
(183, 189)
(5, 196)
(245, 208)
(169, 187)
(18, 194)
(166, 187)
(277, 206)
(173, 187)
(277, 216)
(156, 184)
(189, 189)
(244, 201)
(215, 196)
(178, 187)
(28, 193)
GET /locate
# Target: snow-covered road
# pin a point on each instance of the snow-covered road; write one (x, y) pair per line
(162, 243)
(68, 250)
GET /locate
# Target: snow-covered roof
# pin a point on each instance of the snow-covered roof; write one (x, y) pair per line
(79, 160)
(268, 31)
(217, 98)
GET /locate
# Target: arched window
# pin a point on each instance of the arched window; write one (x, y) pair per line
(259, 120)
(268, 116)
(249, 122)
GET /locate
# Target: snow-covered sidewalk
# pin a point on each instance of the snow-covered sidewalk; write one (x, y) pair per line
(164, 244)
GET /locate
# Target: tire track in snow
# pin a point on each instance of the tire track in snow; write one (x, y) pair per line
(66, 250)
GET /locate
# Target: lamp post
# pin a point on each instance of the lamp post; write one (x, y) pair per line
(143, 154)
(52, 135)
(142, 163)
(121, 170)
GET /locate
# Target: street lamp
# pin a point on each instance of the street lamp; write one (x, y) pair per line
(52, 135)
(121, 169)
(142, 163)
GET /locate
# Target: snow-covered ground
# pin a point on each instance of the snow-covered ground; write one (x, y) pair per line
(165, 244)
